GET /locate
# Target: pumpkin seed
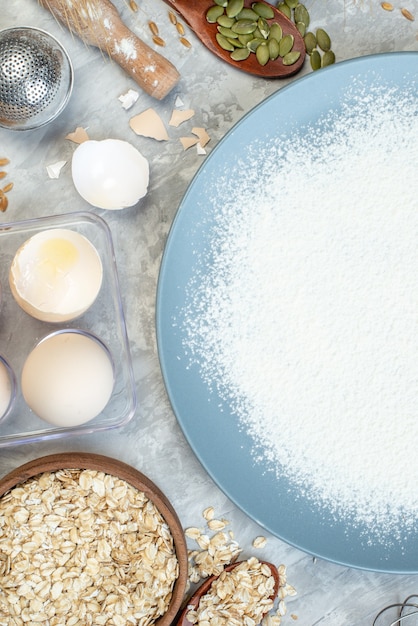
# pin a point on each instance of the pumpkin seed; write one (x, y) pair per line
(328, 58)
(240, 54)
(214, 13)
(227, 32)
(323, 39)
(274, 49)
(244, 39)
(236, 43)
(262, 53)
(225, 21)
(244, 27)
(291, 57)
(292, 4)
(276, 31)
(263, 10)
(254, 43)
(263, 27)
(234, 7)
(221, 3)
(247, 14)
(315, 60)
(224, 43)
(310, 42)
(301, 28)
(285, 45)
(285, 9)
(302, 15)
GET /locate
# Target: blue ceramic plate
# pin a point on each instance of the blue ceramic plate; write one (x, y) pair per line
(224, 449)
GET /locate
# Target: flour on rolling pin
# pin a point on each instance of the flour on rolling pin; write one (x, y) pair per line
(97, 23)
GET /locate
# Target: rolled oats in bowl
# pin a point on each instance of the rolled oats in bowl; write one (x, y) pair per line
(83, 545)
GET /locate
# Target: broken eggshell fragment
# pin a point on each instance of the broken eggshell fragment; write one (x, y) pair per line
(110, 174)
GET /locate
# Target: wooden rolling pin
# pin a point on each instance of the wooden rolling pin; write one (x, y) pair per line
(98, 23)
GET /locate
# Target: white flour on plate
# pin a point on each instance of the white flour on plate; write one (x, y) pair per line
(304, 316)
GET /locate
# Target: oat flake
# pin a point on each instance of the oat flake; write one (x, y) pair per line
(304, 315)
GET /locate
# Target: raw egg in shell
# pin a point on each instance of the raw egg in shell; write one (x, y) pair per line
(110, 174)
(56, 275)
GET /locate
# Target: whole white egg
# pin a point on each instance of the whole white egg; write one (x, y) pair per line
(68, 378)
(56, 275)
(110, 174)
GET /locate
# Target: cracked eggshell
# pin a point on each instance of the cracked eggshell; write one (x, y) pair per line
(110, 174)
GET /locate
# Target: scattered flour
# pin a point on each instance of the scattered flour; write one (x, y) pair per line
(304, 314)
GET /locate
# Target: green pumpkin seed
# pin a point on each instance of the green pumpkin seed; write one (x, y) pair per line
(234, 7)
(227, 32)
(221, 3)
(263, 27)
(225, 21)
(276, 31)
(224, 43)
(291, 57)
(240, 54)
(316, 61)
(244, 39)
(285, 9)
(244, 27)
(328, 58)
(323, 39)
(302, 15)
(263, 10)
(214, 13)
(247, 14)
(254, 43)
(292, 4)
(274, 49)
(310, 42)
(285, 45)
(301, 28)
(262, 53)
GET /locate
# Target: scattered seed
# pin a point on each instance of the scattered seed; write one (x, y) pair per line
(387, 6)
(301, 14)
(186, 43)
(133, 5)
(159, 41)
(3, 202)
(323, 39)
(408, 15)
(3, 174)
(328, 58)
(310, 42)
(180, 28)
(8, 188)
(301, 28)
(4, 162)
(316, 61)
(172, 17)
(153, 28)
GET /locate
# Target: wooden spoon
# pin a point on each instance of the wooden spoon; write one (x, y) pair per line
(204, 588)
(97, 23)
(194, 14)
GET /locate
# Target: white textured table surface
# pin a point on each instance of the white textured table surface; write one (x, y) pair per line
(152, 442)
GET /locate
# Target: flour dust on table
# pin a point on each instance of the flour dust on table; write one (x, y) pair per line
(303, 317)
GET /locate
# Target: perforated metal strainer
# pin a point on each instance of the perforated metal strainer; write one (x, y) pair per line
(36, 78)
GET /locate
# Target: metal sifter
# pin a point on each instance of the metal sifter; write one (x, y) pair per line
(36, 78)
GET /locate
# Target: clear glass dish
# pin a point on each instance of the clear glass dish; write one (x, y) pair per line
(19, 332)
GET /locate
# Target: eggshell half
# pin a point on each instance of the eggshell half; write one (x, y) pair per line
(110, 174)
(56, 275)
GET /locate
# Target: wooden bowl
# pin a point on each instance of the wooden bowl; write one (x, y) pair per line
(88, 461)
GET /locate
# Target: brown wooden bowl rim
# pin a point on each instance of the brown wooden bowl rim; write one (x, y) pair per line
(109, 465)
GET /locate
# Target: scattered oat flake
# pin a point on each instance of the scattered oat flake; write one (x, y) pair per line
(208, 513)
(178, 116)
(187, 142)
(217, 524)
(129, 98)
(202, 134)
(54, 169)
(192, 532)
(387, 6)
(259, 542)
(408, 15)
(149, 124)
(78, 136)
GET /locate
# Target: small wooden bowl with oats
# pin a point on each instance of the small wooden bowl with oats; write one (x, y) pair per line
(85, 538)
